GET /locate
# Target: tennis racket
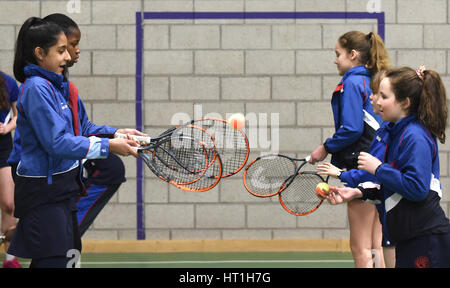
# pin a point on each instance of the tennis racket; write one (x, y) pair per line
(231, 144)
(183, 157)
(297, 195)
(265, 175)
(8, 117)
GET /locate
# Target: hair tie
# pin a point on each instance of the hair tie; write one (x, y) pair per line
(421, 72)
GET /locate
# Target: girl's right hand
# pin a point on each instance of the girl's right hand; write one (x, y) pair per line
(318, 154)
(328, 169)
(123, 147)
(340, 195)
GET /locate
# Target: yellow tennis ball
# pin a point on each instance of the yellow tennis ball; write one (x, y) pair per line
(237, 121)
(322, 189)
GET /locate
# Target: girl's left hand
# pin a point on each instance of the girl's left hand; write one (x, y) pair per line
(368, 162)
(131, 132)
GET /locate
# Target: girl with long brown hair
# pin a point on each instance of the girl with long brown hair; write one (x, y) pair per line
(414, 102)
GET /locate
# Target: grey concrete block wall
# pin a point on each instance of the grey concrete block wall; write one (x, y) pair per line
(258, 67)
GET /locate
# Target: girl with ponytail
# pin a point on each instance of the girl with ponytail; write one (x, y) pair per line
(414, 104)
(55, 137)
(359, 57)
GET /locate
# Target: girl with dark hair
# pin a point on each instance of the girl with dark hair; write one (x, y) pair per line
(8, 99)
(103, 177)
(48, 175)
(415, 104)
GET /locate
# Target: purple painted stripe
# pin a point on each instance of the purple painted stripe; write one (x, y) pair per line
(139, 126)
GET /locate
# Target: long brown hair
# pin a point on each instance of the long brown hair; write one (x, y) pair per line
(372, 52)
(426, 94)
(4, 101)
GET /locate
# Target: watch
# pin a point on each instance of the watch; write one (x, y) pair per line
(338, 175)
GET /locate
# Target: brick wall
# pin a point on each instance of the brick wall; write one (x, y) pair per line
(255, 67)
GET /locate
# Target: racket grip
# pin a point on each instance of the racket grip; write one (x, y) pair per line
(144, 139)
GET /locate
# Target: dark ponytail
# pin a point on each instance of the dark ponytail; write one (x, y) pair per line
(4, 101)
(35, 32)
(433, 109)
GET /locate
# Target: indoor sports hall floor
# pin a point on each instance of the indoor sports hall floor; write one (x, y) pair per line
(214, 260)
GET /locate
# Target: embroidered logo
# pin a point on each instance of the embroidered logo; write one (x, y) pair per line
(422, 262)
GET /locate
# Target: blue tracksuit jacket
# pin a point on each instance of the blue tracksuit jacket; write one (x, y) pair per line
(50, 146)
(349, 101)
(409, 178)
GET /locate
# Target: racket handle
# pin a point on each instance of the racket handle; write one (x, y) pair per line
(144, 139)
(7, 118)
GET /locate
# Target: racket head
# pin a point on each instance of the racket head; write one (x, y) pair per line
(264, 176)
(185, 162)
(299, 197)
(231, 144)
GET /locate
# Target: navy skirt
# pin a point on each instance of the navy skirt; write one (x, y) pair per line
(46, 231)
(47, 224)
(5, 149)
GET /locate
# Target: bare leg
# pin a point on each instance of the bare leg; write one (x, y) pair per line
(360, 217)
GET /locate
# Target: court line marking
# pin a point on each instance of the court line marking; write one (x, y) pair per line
(211, 262)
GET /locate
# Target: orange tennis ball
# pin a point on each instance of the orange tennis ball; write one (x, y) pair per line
(237, 121)
(322, 190)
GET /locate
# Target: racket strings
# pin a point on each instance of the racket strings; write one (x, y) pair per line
(265, 175)
(200, 167)
(299, 196)
(231, 144)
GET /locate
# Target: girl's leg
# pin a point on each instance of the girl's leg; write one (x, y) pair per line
(7, 200)
(389, 256)
(377, 239)
(360, 217)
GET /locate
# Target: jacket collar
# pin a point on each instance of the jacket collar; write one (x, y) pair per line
(35, 70)
(357, 70)
(395, 128)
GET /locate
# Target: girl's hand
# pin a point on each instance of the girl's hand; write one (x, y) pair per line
(3, 130)
(131, 132)
(318, 155)
(123, 147)
(340, 195)
(328, 169)
(368, 162)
